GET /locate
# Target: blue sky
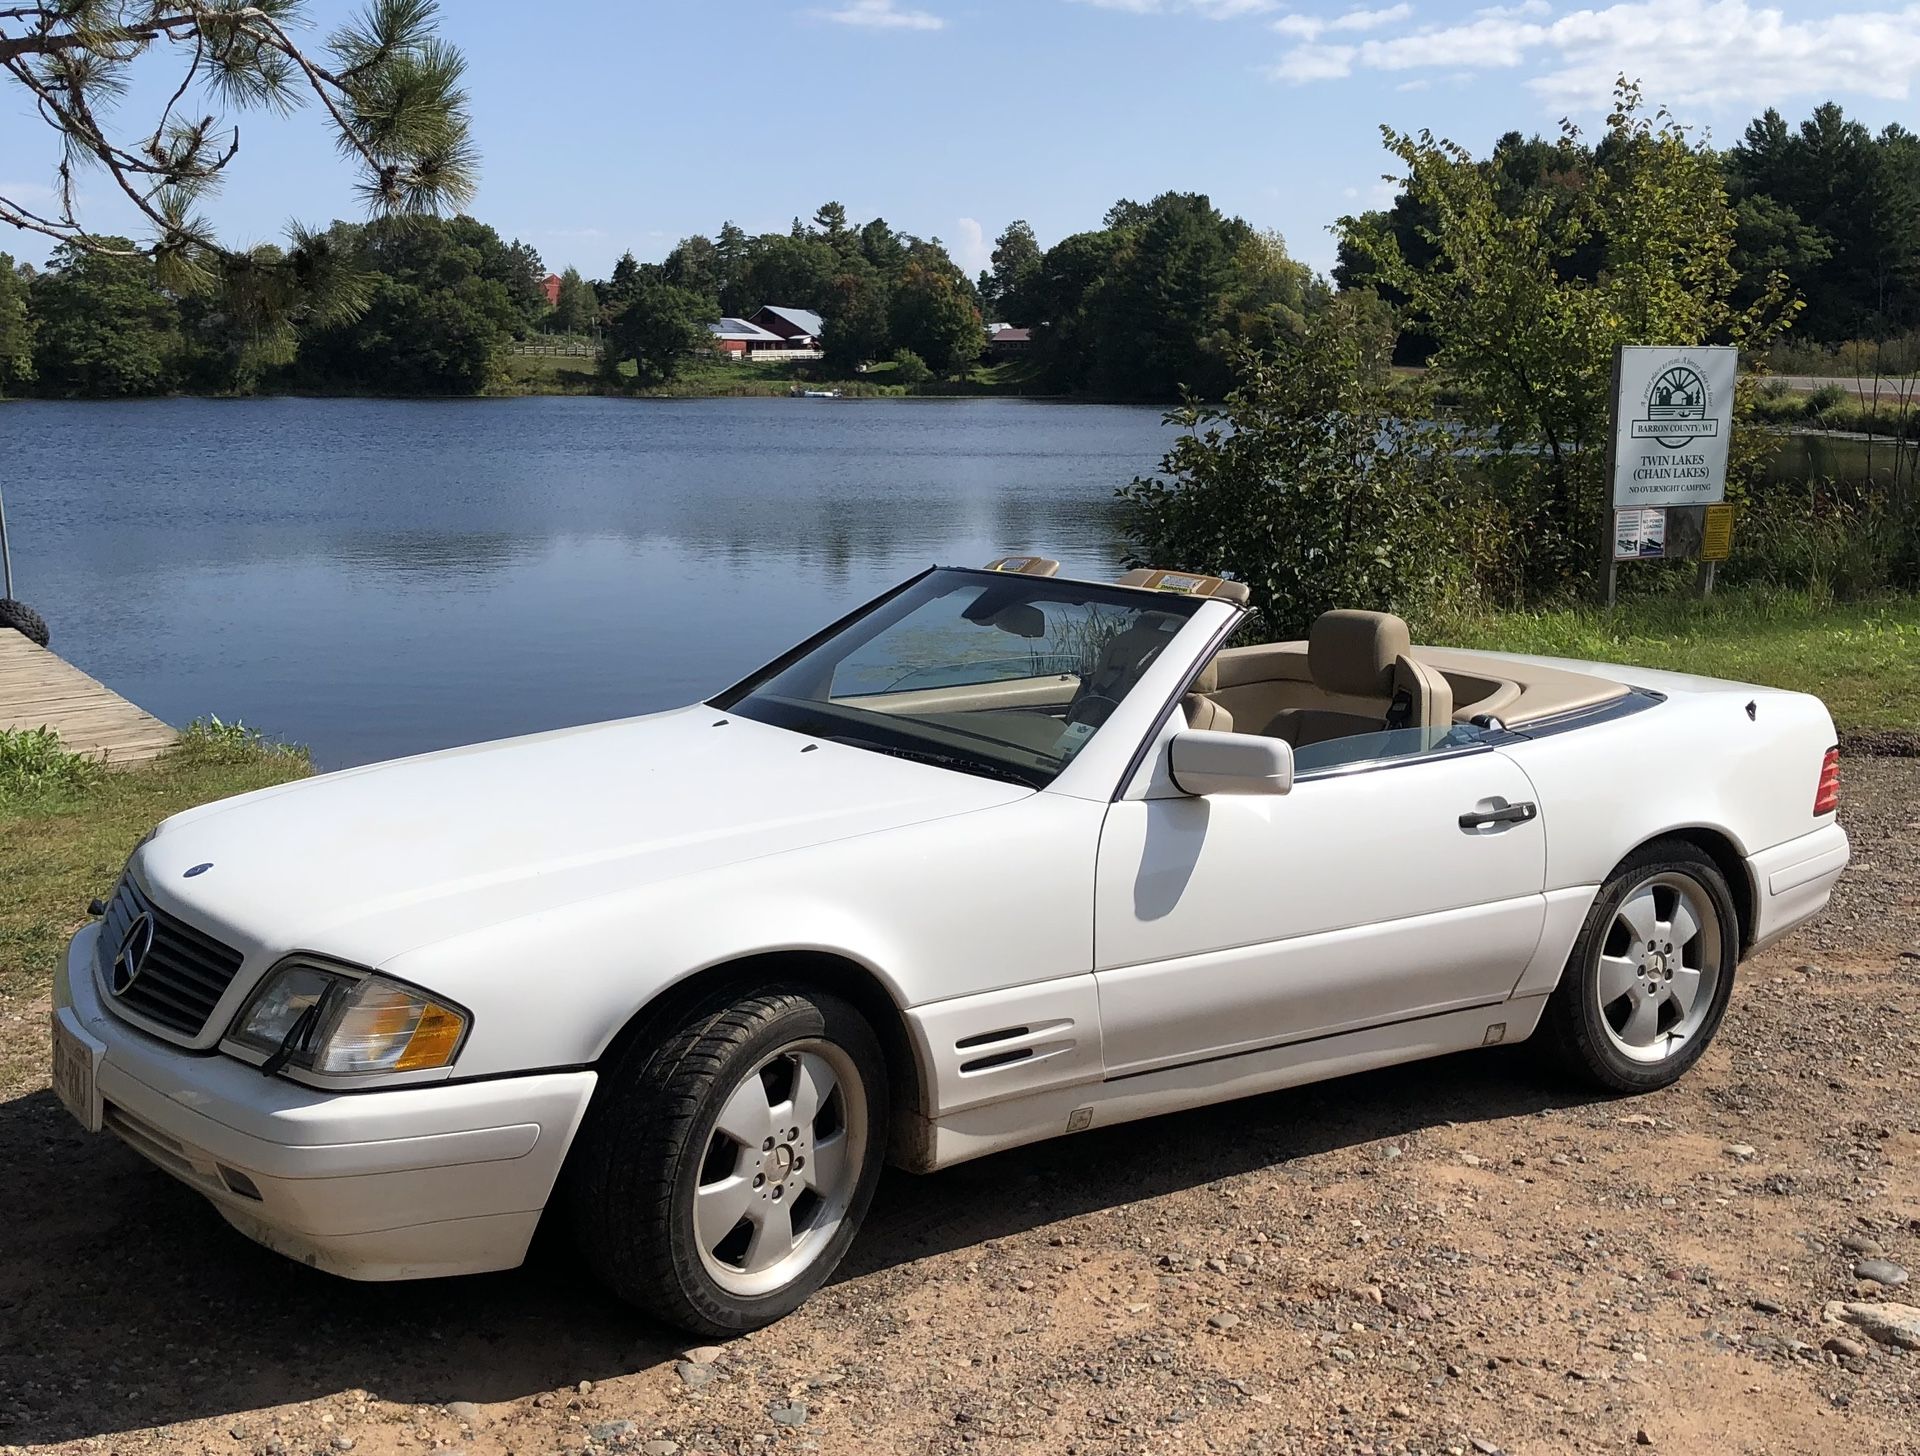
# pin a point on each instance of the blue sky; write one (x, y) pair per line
(612, 124)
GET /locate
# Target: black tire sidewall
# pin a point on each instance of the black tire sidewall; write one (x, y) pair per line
(647, 1249)
(1581, 1032)
(815, 1017)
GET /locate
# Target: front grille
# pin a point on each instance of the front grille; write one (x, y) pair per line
(183, 976)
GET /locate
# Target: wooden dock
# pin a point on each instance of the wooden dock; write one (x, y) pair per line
(39, 689)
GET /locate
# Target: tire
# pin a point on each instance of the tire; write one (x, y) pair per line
(1637, 1005)
(24, 620)
(685, 1123)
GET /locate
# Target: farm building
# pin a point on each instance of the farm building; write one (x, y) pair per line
(799, 327)
(738, 336)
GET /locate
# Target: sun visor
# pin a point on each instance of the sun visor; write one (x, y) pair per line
(1025, 565)
(1187, 584)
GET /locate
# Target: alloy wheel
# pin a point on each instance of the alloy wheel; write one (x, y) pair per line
(1659, 967)
(780, 1168)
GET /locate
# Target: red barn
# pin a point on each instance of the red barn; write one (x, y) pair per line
(551, 287)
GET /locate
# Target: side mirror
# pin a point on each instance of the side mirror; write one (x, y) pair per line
(1230, 763)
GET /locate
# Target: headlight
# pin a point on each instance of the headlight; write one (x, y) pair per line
(344, 1023)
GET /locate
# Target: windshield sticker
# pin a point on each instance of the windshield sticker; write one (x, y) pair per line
(1072, 739)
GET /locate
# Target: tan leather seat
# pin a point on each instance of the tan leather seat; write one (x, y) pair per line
(1199, 706)
(1365, 655)
(1123, 659)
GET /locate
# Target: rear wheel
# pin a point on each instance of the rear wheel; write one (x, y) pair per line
(724, 1170)
(1649, 979)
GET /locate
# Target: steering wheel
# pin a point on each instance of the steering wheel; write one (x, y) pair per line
(1077, 709)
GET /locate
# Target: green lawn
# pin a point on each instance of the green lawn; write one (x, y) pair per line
(705, 378)
(64, 836)
(1862, 658)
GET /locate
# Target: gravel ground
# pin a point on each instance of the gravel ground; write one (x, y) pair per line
(1455, 1257)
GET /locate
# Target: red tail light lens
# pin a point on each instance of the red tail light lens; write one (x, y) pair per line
(1826, 798)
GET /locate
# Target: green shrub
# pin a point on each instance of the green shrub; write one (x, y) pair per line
(33, 763)
(1313, 482)
(213, 740)
(909, 368)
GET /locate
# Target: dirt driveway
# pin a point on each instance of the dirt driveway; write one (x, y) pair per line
(1453, 1257)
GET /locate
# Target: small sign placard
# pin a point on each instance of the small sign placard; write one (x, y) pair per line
(1716, 537)
(1639, 535)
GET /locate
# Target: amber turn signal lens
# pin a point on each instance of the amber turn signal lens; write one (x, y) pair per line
(434, 1040)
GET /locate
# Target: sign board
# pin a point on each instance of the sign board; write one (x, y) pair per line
(1639, 534)
(1672, 416)
(1716, 536)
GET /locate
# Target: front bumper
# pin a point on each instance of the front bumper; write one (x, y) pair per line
(405, 1183)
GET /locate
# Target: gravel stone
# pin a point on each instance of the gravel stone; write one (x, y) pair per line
(694, 1377)
(1880, 1271)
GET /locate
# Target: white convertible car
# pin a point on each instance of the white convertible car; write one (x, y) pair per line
(999, 856)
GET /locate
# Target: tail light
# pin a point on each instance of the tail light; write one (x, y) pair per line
(1826, 798)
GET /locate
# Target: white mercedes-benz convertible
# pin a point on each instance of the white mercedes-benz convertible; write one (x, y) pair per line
(999, 856)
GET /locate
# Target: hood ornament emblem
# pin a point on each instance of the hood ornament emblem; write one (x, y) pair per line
(199, 869)
(131, 957)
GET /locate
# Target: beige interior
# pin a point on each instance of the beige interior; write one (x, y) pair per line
(1342, 680)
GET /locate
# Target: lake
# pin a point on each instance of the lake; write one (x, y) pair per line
(374, 578)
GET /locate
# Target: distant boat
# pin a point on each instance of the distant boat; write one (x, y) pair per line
(816, 394)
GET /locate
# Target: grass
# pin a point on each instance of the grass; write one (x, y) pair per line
(1894, 414)
(708, 378)
(1861, 658)
(67, 826)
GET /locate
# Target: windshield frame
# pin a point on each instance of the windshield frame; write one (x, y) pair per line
(916, 739)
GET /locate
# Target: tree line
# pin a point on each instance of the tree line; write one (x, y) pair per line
(1828, 207)
(1159, 301)
(1321, 479)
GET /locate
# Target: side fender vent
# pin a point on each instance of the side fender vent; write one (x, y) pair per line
(998, 1059)
(987, 1038)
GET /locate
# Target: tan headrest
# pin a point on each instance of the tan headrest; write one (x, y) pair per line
(1354, 652)
(1209, 679)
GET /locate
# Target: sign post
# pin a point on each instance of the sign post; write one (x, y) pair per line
(1667, 456)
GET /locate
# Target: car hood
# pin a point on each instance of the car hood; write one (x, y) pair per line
(370, 862)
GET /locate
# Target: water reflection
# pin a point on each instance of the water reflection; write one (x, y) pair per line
(378, 577)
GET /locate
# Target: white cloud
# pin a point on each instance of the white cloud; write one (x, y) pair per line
(881, 15)
(973, 252)
(1314, 63)
(1312, 27)
(1730, 53)
(1211, 9)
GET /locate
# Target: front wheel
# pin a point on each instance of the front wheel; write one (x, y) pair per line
(1649, 979)
(724, 1169)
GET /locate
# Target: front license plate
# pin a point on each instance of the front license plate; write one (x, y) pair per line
(74, 1080)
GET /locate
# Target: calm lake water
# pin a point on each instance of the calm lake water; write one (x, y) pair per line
(374, 578)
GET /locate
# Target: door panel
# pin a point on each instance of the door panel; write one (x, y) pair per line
(1226, 923)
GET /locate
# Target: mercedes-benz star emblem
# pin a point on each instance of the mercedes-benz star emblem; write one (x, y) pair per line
(132, 955)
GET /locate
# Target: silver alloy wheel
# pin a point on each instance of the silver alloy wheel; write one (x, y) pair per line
(780, 1168)
(1659, 966)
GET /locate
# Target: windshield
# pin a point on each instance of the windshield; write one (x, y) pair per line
(1002, 675)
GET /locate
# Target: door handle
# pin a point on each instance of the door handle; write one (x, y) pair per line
(1511, 814)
